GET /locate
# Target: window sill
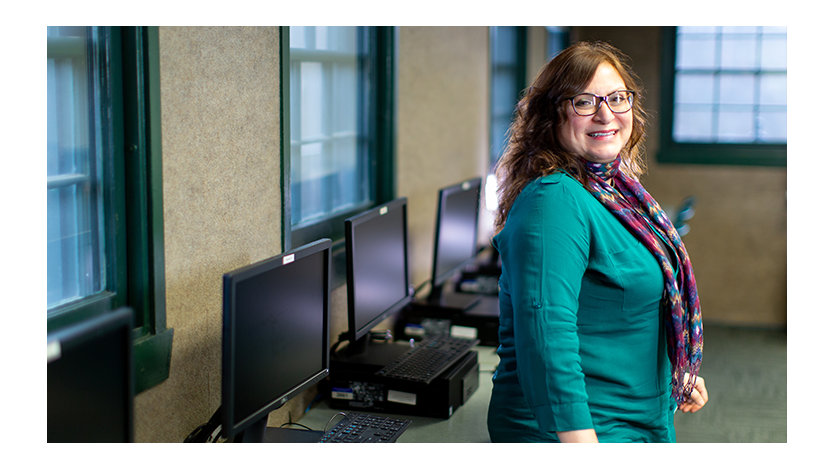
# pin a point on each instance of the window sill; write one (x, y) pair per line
(152, 359)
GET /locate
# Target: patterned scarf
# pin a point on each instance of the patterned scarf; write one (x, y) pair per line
(642, 216)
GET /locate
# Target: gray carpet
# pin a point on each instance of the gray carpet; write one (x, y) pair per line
(745, 370)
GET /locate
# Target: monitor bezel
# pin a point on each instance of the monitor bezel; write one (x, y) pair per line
(438, 279)
(356, 332)
(118, 321)
(321, 248)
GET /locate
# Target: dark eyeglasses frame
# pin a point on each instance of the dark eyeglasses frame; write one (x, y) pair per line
(632, 95)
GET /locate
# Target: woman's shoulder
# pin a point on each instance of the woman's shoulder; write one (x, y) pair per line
(558, 184)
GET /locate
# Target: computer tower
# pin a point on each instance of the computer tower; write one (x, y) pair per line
(354, 385)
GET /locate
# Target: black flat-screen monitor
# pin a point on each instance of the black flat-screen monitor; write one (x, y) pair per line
(456, 230)
(276, 339)
(89, 380)
(376, 248)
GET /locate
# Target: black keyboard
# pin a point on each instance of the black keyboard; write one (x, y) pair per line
(428, 358)
(361, 427)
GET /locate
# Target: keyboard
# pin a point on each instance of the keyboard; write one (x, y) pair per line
(361, 427)
(428, 358)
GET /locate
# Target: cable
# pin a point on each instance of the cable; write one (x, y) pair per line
(327, 426)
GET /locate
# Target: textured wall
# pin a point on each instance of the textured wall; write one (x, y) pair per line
(442, 123)
(222, 202)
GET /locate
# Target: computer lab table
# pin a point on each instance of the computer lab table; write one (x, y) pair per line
(467, 424)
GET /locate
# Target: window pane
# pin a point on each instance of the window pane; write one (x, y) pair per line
(773, 90)
(737, 89)
(505, 68)
(775, 52)
(696, 52)
(75, 231)
(329, 121)
(773, 126)
(695, 89)
(739, 52)
(693, 125)
(504, 48)
(736, 126)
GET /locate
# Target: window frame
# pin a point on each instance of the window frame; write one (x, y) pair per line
(128, 62)
(670, 151)
(383, 46)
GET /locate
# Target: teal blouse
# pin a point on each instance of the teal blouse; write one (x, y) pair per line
(582, 342)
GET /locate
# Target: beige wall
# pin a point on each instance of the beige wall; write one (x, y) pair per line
(221, 127)
(442, 123)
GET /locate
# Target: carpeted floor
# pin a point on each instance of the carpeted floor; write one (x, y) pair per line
(745, 371)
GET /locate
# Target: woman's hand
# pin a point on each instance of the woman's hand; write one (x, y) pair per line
(698, 398)
(578, 436)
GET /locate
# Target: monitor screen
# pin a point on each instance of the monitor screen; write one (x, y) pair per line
(376, 246)
(456, 229)
(276, 334)
(90, 380)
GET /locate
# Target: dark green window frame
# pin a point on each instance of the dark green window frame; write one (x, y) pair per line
(670, 151)
(382, 159)
(128, 60)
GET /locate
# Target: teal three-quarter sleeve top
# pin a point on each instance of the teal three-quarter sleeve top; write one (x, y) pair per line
(582, 342)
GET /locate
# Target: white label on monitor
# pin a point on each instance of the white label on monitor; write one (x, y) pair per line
(289, 258)
(465, 185)
(383, 210)
(53, 351)
(402, 397)
(463, 332)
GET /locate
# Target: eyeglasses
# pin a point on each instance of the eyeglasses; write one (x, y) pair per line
(586, 104)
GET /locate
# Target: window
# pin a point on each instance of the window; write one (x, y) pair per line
(104, 212)
(725, 95)
(508, 74)
(338, 159)
(558, 38)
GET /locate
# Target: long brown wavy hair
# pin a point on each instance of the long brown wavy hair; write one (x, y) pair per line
(534, 150)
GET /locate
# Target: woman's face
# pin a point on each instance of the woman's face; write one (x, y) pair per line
(600, 136)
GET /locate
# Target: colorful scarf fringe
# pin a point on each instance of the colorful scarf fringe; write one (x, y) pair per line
(644, 218)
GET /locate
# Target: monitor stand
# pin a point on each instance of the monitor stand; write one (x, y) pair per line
(259, 432)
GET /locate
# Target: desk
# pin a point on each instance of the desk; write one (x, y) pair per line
(467, 424)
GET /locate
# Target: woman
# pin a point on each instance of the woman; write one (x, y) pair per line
(600, 327)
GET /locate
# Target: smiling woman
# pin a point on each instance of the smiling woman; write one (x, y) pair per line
(589, 259)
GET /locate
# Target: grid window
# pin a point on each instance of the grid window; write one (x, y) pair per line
(330, 122)
(75, 226)
(508, 75)
(103, 182)
(730, 85)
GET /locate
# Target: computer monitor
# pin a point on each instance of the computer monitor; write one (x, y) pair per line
(89, 380)
(455, 231)
(276, 339)
(376, 248)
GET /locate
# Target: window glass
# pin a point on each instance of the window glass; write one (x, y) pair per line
(730, 85)
(329, 122)
(75, 227)
(507, 69)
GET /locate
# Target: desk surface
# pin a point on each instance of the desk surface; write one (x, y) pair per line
(467, 424)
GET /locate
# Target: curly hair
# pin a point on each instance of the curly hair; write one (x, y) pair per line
(534, 150)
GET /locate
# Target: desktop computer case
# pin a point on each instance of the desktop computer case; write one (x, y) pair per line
(353, 385)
